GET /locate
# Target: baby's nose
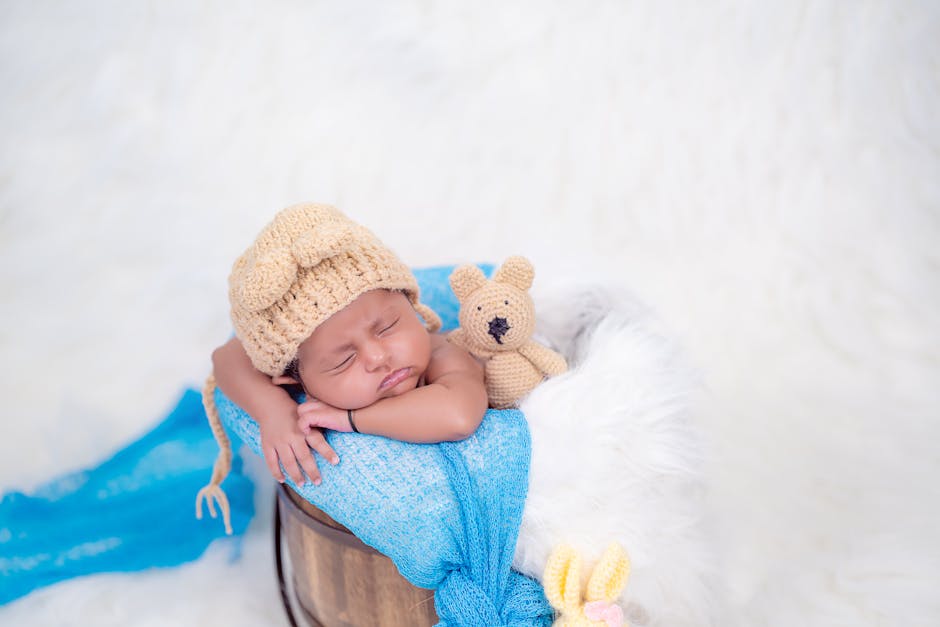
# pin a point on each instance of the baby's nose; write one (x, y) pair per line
(376, 355)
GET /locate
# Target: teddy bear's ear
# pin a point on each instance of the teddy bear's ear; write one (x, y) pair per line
(516, 271)
(465, 280)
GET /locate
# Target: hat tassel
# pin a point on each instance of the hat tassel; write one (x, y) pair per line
(213, 493)
(431, 320)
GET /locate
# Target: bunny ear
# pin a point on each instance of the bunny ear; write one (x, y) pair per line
(610, 575)
(264, 279)
(562, 579)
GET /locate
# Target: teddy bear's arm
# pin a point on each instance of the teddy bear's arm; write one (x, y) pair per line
(545, 359)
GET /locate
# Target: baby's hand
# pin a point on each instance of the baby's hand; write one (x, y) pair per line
(315, 414)
(284, 445)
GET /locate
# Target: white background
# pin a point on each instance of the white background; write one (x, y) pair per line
(765, 175)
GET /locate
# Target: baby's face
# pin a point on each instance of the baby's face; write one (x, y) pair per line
(374, 348)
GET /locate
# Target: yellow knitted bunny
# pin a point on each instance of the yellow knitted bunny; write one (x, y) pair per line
(562, 582)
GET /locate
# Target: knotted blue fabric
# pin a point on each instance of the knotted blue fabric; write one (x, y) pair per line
(447, 514)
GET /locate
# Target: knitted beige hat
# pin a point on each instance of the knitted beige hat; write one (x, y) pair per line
(310, 262)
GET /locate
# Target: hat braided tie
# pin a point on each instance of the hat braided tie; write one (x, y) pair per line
(213, 493)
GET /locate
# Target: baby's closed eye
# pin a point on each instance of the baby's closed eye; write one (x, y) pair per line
(388, 327)
(345, 362)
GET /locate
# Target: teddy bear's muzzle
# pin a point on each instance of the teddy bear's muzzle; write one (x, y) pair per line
(498, 328)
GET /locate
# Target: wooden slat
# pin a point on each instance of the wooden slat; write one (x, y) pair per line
(340, 581)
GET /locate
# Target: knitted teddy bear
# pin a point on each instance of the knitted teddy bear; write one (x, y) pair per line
(497, 319)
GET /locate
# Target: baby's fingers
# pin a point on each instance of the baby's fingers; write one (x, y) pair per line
(270, 458)
(289, 461)
(309, 463)
(305, 425)
(317, 442)
(306, 420)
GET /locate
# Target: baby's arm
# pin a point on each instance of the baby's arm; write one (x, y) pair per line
(274, 411)
(448, 407)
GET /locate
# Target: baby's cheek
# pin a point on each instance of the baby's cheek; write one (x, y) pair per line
(356, 391)
(418, 347)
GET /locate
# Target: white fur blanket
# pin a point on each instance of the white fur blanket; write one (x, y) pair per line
(616, 457)
(763, 174)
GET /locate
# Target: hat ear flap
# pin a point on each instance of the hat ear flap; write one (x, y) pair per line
(264, 279)
(516, 271)
(465, 279)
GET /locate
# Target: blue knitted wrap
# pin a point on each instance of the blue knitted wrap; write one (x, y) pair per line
(447, 514)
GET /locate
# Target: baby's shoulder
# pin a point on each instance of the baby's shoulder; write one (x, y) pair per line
(438, 340)
(446, 356)
(441, 348)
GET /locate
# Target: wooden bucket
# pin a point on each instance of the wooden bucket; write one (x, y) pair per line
(338, 581)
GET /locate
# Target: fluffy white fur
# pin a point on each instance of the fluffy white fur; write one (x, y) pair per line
(616, 458)
(762, 174)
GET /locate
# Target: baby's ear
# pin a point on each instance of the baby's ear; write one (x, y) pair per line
(283, 379)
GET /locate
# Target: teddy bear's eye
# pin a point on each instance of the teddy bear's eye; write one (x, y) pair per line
(505, 302)
(479, 308)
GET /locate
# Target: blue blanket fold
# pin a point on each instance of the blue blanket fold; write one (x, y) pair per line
(132, 512)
